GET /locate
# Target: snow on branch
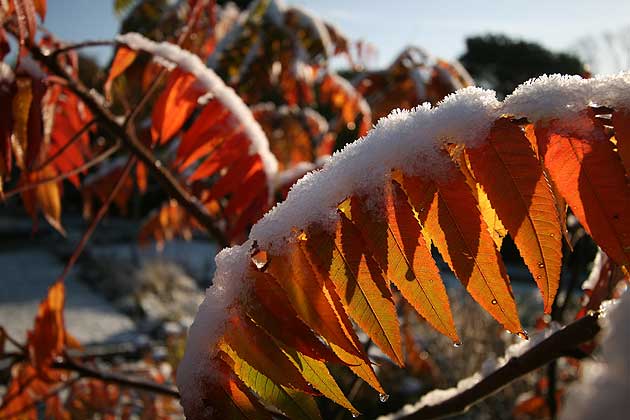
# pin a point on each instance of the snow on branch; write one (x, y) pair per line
(215, 88)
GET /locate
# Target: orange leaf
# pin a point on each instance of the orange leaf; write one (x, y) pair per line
(394, 238)
(590, 176)
(358, 282)
(318, 375)
(210, 126)
(495, 226)
(174, 106)
(306, 293)
(40, 7)
(47, 340)
(26, 20)
(259, 350)
(124, 58)
(512, 176)
(453, 222)
(232, 399)
(361, 364)
(21, 107)
(273, 312)
(294, 404)
(44, 197)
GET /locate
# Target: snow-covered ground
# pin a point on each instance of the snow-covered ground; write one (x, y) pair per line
(30, 263)
(25, 276)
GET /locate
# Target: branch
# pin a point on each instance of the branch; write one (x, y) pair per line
(557, 345)
(98, 217)
(98, 159)
(194, 17)
(131, 142)
(65, 147)
(87, 372)
(79, 45)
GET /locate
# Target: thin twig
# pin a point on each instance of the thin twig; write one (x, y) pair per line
(65, 147)
(100, 158)
(88, 372)
(135, 146)
(157, 81)
(80, 45)
(97, 218)
(12, 340)
(561, 343)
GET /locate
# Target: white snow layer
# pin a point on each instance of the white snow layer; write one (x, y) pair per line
(224, 297)
(407, 140)
(604, 388)
(214, 86)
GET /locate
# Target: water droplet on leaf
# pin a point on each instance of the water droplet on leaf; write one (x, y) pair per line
(260, 259)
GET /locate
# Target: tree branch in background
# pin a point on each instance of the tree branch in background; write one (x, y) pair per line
(133, 144)
(97, 218)
(561, 343)
(98, 159)
(80, 45)
(88, 372)
(155, 84)
(65, 147)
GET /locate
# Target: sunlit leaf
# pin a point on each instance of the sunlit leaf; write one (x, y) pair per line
(513, 178)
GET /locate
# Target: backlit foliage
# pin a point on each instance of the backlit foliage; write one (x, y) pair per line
(242, 104)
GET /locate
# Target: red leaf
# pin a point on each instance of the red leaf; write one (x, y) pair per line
(5, 47)
(35, 123)
(259, 350)
(455, 226)
(590, 176)
(40, 7)
(273, 312)
(124, 58)
(174, 106)
(27, 22)
(47, 339)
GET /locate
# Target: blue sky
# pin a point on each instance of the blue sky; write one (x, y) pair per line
(440, 27)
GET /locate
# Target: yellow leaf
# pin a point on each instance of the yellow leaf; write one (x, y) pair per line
(317, 374)
(358, 282)
(306, 293)
(294, 404)
(395, 239)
